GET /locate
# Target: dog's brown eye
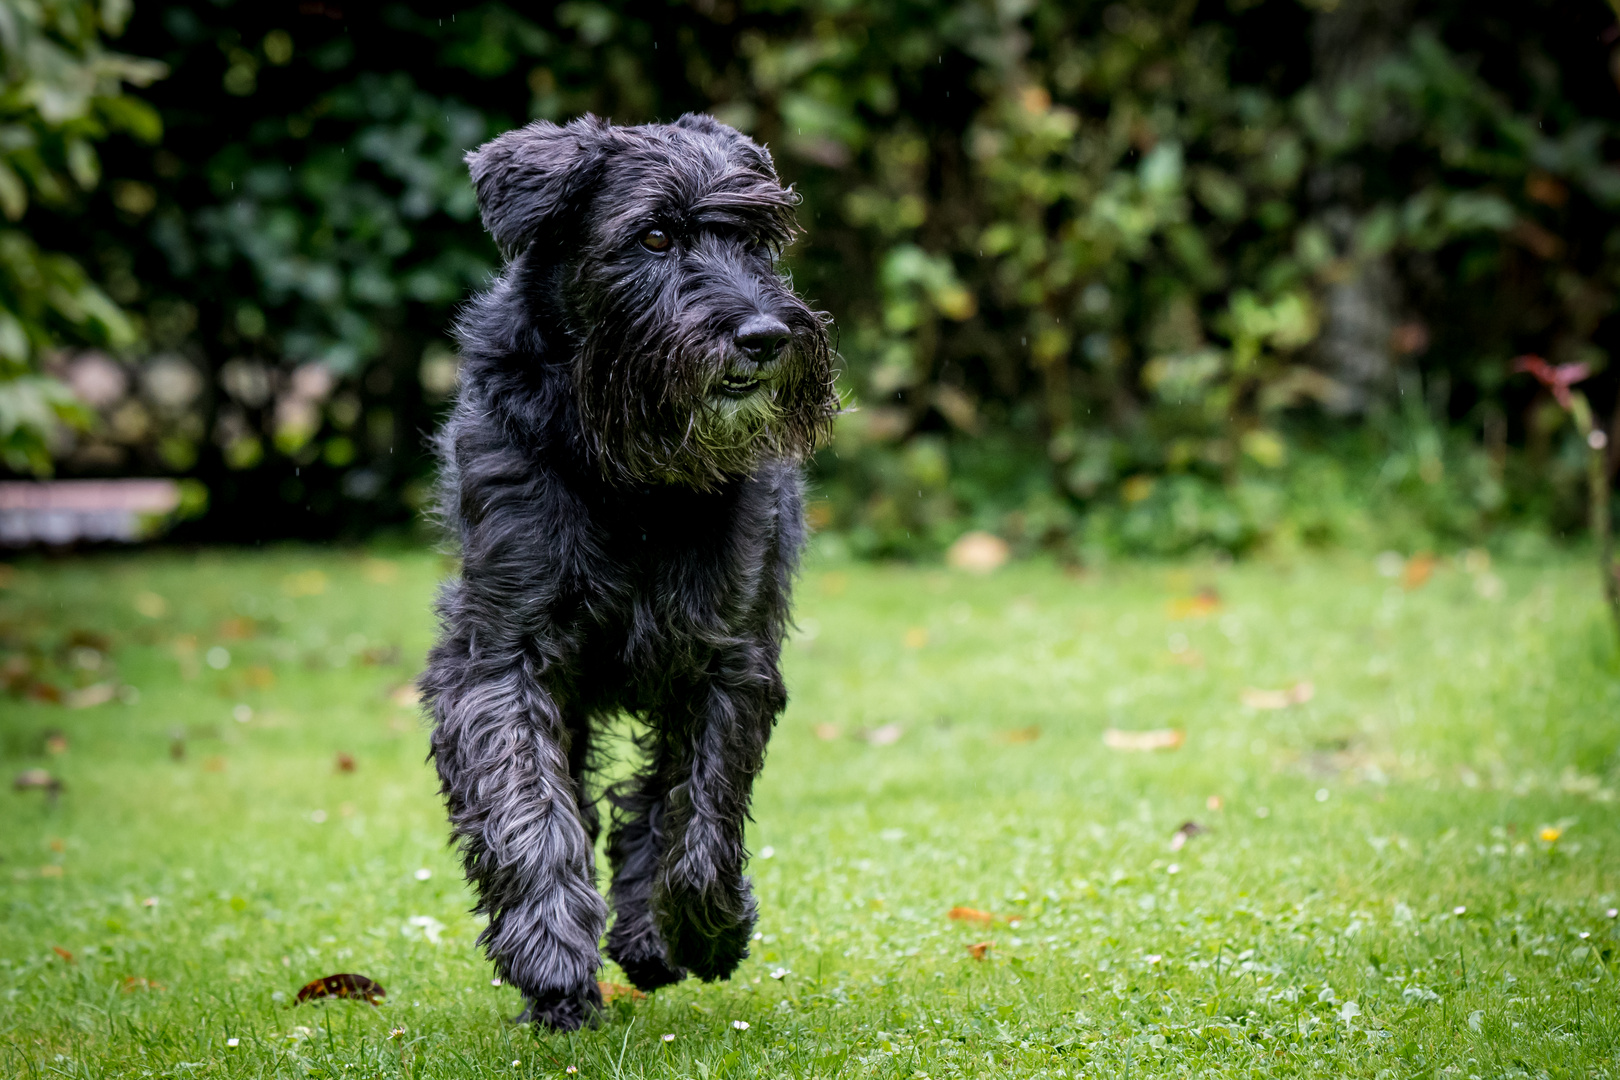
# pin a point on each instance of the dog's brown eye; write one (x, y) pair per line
(655, 240)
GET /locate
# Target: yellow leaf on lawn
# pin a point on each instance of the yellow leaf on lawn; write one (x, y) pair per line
(1020, 735)
(1418, 570)
(979, 950)
(967, 914)
(612, 992)
(1155, 739)
(1298, 694)
(1200, 605)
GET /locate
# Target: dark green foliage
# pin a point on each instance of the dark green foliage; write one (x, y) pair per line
(1142, 276)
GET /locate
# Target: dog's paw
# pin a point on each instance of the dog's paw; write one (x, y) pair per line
(708, 940)
(563, 1010)
(649, 971)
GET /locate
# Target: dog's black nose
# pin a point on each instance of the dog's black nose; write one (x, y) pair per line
(761, 337)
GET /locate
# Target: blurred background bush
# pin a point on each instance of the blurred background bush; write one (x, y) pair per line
(1130, 277)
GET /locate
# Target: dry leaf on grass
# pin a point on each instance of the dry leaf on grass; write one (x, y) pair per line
(345, 763)
(1298, 694)
(978, 553)
(612, 992)
(215, 763)
(1188, 830)
(1203, 603)
(405, 695)
(1020, 735)
(967, 914)
(826, 732)
(343, 985)
(1419, 568)
(91, 696)
(30, 779)
(887, 735)
(1155, 739)
(239, 628)
(979, 950)
(133, 983)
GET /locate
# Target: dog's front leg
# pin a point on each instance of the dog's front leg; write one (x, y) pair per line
(706, 910)
(500, 747)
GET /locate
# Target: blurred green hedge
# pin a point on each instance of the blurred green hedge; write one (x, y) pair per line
(1135, 276)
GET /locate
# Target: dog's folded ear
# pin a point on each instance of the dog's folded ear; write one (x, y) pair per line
(528, 178)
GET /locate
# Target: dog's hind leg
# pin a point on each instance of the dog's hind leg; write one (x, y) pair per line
(502, 751)
(635, 850)
(705, 907)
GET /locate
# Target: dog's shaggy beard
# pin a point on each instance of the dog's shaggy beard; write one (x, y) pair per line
(649, 390)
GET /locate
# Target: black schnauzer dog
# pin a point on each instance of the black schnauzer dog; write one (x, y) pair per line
(640, 387)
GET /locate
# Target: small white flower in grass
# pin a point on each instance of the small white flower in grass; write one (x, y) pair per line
(1460, 909)
(668, 1036)
(1153, 958)
(1585, 934)
(152, 901)
(1173, 868)
(1613, 913)
(242, 713)
(1322, 794)
(516, 1063)
(740, 1025)
(422, 874)
(767, 852)
(571, 1069)
(1262, 812)
(780, 973)
(233, 1042)
(317, 816)
(219, 658)
(494, 982)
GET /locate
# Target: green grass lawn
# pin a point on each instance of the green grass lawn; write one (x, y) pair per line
(1413, 872)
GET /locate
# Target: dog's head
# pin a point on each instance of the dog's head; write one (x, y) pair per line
(694, 360)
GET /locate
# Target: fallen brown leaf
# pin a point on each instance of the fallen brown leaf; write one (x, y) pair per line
(1188, 830)
(1418, 570)
(91, 696)
(63, 953)
(1155, 739)
(345, 763)
(133, 983)
(1203, 603)
(887, 735)
(826, 732)
(978, 553)
(30, 779)
(1020, 735)
(239, 628)
(979, 950)
(216, 763)
(612, 992)
(967, 914)
(1298, 694)
(343, 985)
(405, 695)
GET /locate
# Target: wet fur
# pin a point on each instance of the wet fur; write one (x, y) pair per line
(627, 547)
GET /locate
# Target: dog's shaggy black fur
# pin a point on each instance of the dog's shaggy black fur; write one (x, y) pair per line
(639, 388)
